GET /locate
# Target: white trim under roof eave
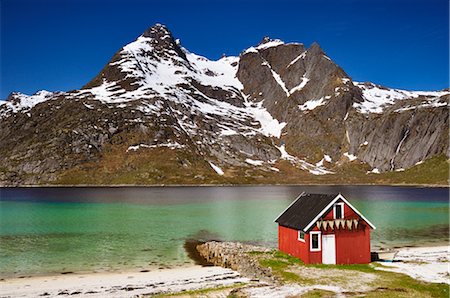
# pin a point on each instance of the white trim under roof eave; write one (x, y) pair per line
(339, 196)
(289, 206)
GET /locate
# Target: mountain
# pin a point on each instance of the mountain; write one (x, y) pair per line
(278, 113)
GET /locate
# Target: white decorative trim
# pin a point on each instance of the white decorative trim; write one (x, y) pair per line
(298, 236)
(319, 241)
(289, 206)
(342, 210)
(339, 196)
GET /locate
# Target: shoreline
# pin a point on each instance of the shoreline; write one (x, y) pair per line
(429, 264)
(221, 185)
(121, 284)
(215, 185)
(196, 259)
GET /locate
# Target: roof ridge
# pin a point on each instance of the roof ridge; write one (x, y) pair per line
(301, 214)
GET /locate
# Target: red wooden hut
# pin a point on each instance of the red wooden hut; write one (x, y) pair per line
(324, 229)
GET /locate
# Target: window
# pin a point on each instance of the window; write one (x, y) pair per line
(301, 236)
(315, 241)
(338, 211)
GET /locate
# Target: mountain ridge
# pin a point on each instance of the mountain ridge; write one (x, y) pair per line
(236, 116)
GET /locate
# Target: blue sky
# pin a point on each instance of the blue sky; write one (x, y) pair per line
(61, 45)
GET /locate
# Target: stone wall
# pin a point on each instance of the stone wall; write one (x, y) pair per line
(236, 256)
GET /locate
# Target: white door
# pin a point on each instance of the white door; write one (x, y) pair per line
(328, 249)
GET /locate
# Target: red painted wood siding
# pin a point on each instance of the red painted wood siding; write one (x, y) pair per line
(352, 246)
(288, 242)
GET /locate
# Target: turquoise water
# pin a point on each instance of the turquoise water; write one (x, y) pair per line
(58, 230)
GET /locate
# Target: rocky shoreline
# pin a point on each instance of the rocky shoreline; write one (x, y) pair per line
(237, 256)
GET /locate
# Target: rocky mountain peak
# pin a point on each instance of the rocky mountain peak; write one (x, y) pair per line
(315, 49)
(157, 31)
(11, 96)
(138, 60)
(277, 109)
(160, 39)
(265, 39)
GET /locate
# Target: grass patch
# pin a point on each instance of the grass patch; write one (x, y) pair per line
(291, 277)
(434, 170)
(280, 263)
(274, 264)
(284, 256)
(279, 260)
(199, 292)
(391, 284)
(354, 267)
(318, 293)
(430, 289)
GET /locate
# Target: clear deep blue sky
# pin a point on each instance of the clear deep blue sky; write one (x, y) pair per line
(61, 45)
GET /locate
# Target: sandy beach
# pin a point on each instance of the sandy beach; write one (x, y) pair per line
(429, 264)
(126, 284)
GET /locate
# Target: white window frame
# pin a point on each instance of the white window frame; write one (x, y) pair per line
(319, 241)
(341, 204)
(298, 236)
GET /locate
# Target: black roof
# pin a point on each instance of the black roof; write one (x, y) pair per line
(307, 206)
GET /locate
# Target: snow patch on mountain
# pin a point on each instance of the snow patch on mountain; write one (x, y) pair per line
(301, 56)
(220, 73)
(377, 98)
(350, 157)
(266, 45)
(270, 44)
(270, 126)
(300, 86)
(90, 107)
(254, 162)
(277, 78)
(312, 104)
(226, 131)
(170, 145)
(23, 102)
(282, 84)
(431, 103)
(313, 169)
(326, 158)
(216, 169)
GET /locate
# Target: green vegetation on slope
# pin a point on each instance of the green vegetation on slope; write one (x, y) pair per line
(166, 166)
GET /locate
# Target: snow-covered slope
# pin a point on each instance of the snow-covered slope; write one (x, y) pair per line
(378, 98)
(274, 103)
(19, 102)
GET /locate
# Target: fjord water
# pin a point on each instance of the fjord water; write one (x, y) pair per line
(53, 230)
